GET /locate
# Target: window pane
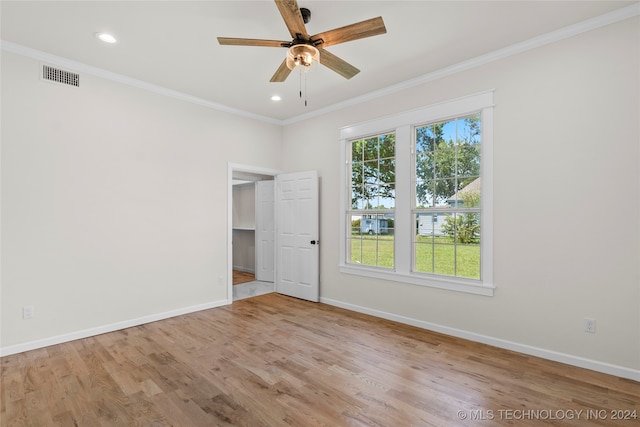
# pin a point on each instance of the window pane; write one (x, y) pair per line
(356, 151)
(355, 251)
(426, 138)
(424, 194)
(377, 224)
(450, 242)
(369, 252)
(469, 194)
(424, 165)
(371, 241)
(356, 197)
(469, 130)
(370, 172)
(353, 240)
(447, 177)
(356, 174)
(444, 163)
(387, 146)
(354, 221)
(444, 191)
(456, 199)
(371, 149)
(424, 258)
(468, 161)
(468, 261)
(468, 228)
(387, 170)
(448, 134)
(431, 224)
(387, 196)
(370, 197)
(464, 228)
(385, 252)
(444, 259)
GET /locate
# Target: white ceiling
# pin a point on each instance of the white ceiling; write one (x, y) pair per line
(172, 44)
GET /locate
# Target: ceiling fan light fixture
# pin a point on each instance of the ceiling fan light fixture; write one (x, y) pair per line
(303, 56)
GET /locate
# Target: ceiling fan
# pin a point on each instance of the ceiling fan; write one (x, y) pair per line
(305, 49)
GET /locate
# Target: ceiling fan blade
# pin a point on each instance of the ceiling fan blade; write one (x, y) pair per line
(359, 30)
(251, 42)
(292, 17)
(281, 73)
(338, 65)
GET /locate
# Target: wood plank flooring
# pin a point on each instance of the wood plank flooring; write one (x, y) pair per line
(278, 361)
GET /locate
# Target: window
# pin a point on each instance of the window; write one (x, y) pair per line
(417, 202)
(372, 201)
(448, 185)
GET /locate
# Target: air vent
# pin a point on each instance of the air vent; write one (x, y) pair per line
(60, 76)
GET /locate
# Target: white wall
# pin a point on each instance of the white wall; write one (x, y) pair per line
(566, 156)
(113, 202)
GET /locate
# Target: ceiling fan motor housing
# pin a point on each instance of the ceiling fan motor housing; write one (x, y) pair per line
(306, 14)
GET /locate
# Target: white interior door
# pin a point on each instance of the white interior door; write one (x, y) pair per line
(297, 235)
(265, 231)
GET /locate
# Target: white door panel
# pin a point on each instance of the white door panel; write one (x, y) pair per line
(297, 234)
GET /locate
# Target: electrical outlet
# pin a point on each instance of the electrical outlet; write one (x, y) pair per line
(590, 325)
(27, 312)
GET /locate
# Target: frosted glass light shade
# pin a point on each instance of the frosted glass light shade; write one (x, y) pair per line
(302, 55)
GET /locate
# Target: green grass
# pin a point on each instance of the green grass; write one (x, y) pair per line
(375, 251)
(437, 255)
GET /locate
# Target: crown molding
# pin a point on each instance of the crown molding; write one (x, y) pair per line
(125, 80)
(533, 43)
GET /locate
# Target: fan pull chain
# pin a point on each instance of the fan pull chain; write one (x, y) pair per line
(300, 80)
(305, 90)
(305, 87)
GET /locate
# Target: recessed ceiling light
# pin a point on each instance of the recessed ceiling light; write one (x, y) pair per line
(106, 37)
(276, 98)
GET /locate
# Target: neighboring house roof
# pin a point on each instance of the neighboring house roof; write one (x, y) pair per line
(473, 187)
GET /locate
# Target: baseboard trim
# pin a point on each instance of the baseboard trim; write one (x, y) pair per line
(569, 359)
(594, 365)
(58, 339)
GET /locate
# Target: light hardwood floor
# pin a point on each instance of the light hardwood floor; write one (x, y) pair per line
(278, 361)
(240, 277)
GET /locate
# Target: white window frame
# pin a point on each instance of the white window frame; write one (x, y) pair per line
(362, 212)
(404, 124)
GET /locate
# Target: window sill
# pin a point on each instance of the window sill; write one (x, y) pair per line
(452, 284)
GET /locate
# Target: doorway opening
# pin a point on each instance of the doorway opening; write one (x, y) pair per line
(250, 249)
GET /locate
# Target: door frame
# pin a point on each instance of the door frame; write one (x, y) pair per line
(245, 169)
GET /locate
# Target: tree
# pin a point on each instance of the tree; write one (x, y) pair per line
(372, 171)
(465, 227)
(447, 159)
